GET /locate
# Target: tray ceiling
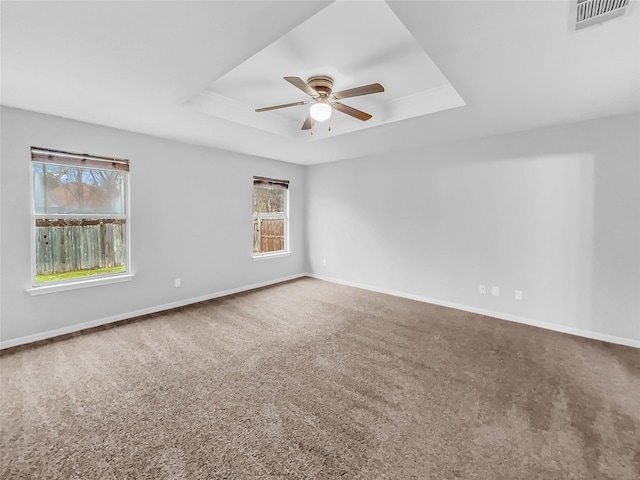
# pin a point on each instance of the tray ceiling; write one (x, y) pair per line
(194, 71)
(356, 44)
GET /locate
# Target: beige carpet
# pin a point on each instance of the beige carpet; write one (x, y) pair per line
(310, 379)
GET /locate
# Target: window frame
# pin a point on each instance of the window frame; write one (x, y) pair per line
(284, 185)
(89, 280)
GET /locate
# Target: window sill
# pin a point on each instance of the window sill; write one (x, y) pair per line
(266, 256)
(60, 287)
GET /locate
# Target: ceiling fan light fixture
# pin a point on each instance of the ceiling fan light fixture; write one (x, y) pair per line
(320, 89)
(320, 111)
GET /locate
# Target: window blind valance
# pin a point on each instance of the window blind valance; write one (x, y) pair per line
(78, 159)
(270, 182)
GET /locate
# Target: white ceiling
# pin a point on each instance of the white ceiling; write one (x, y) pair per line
(141, 66)
(375, 48)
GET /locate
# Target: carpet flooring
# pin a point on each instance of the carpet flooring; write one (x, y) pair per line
(313, 380)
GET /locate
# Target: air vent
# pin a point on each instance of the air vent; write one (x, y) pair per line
(590, 12)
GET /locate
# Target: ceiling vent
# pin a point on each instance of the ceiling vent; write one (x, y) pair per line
(590, 12)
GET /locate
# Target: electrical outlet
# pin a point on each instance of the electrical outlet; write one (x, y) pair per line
(177, 282)
(518, 295)
(495, 291)
(482, 289)
(324, 263)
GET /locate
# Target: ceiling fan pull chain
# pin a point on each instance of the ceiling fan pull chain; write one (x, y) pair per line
(330, 123)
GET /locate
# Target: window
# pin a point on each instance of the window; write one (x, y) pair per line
(80, 205)
(270, 216)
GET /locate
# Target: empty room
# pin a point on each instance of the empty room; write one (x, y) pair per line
(320, 239)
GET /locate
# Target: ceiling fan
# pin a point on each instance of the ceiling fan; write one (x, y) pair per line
(324, 100)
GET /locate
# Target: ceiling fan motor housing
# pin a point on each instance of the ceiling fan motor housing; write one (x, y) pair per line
(321, 84)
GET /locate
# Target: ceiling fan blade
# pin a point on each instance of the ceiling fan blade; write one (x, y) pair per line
(360, 115)
(355, 92)
(302, 85)
(275, 107)
(308, 123)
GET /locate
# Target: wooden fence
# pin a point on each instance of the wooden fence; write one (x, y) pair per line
(68, 246)
(268, 235)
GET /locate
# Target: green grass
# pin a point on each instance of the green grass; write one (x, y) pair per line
(52, 277)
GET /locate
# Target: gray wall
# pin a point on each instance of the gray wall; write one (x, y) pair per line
(554, 213)
(190, 218)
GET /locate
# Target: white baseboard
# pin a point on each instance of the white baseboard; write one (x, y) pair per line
(145, 311)
(502, 316)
